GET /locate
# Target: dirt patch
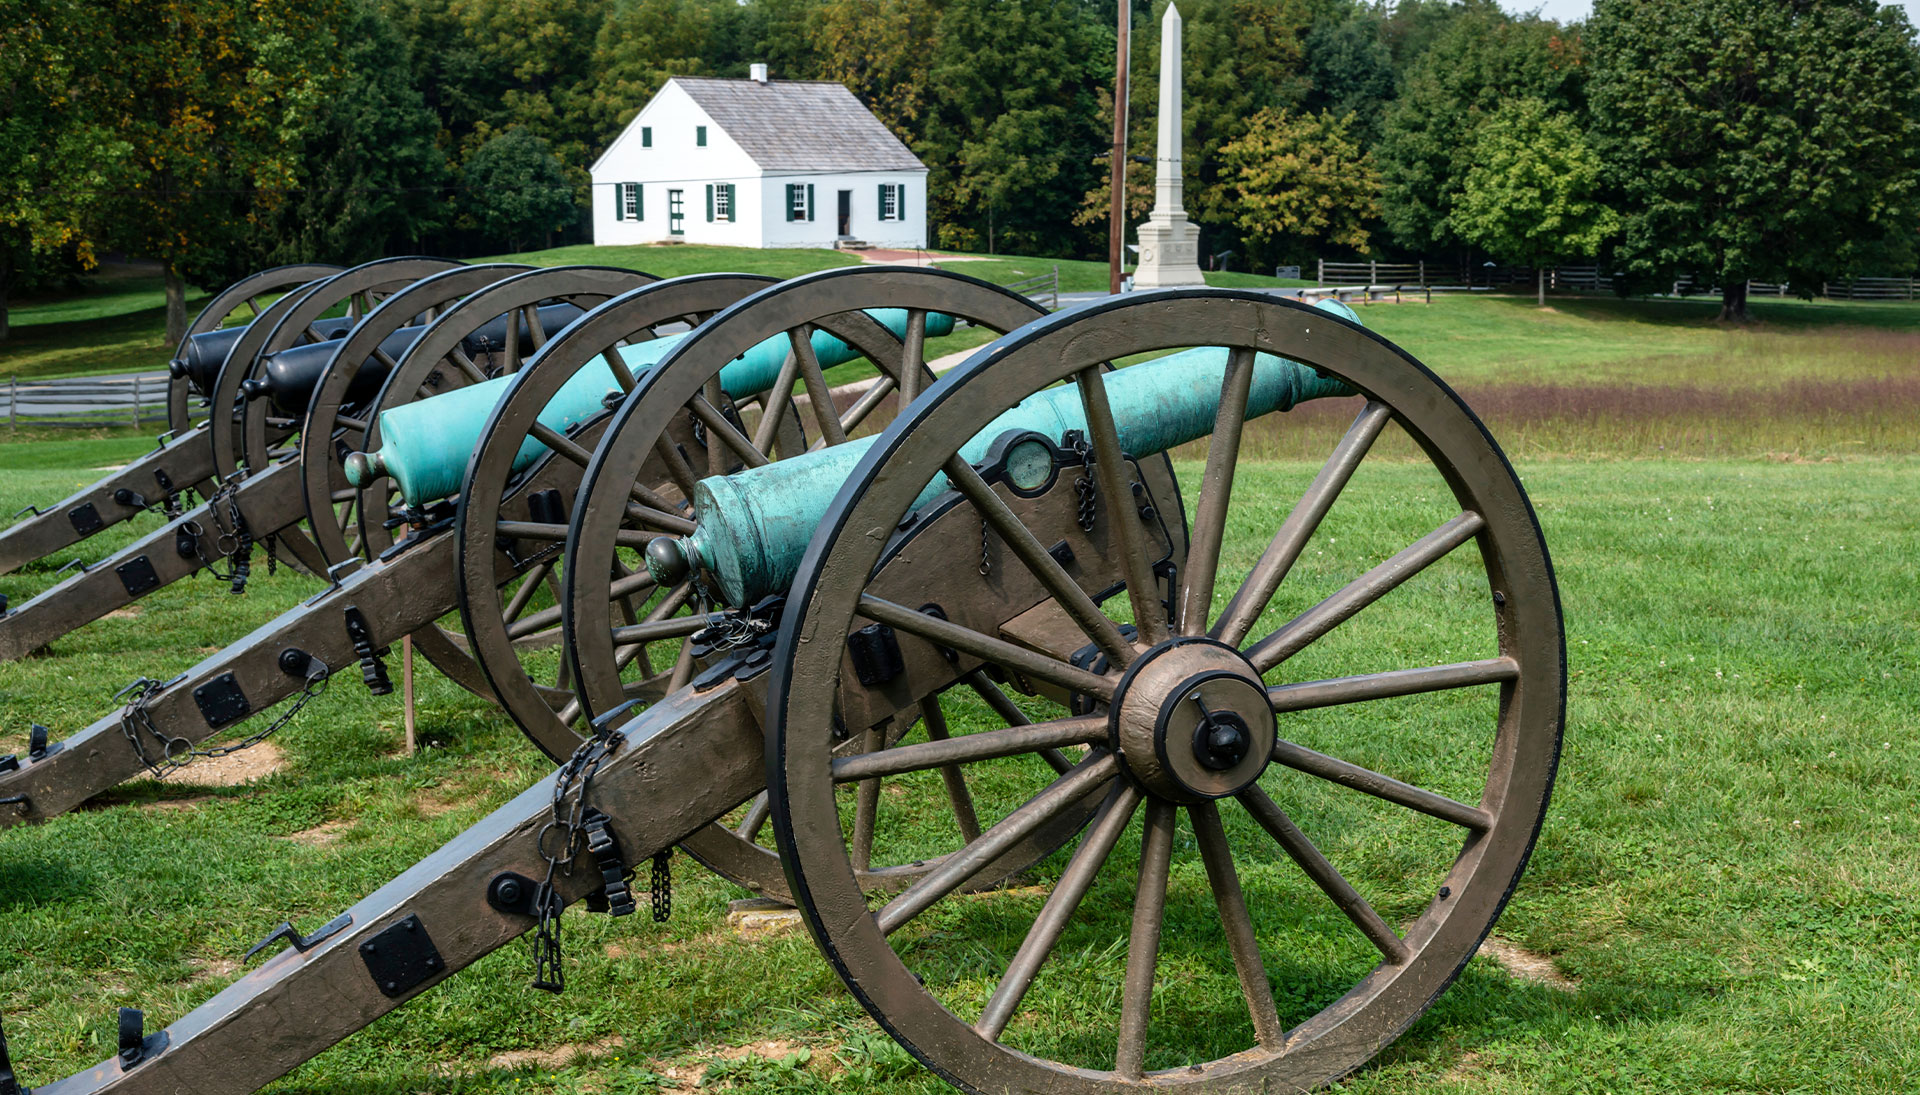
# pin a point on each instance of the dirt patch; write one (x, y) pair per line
(208, 969)
(131, 612)
(1525, 965)
(556, 1057)
(323, 835)
(234, 769)
(1465, 1070)
(688, 1079)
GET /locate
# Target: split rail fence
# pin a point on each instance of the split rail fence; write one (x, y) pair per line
(1581, 279)
(84, 402)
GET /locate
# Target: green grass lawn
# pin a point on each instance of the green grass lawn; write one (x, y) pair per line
(1725, 884)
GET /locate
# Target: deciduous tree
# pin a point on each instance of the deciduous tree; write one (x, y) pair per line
(515, 190)
(1530, 195)
(1295, 180)
(1756, 141)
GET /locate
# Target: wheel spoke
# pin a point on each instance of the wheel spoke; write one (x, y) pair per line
(913, 358)
(1307, 695)
(969, 748)
(1231, 902)
(536, 331)
(1067, 894)
(1011, 714)
(718, 426)
(957, 869)
(756, 819)
(1295, 635)
(528, 586)
(875, 394)
(622, 375)
(1110, 469)
(1216, 489)
(657, 514)
(866, 807)
(985, 647)
(655, 630)
(1092, 622)
(678, 469)
(1143, 944)
(1324, 874)
(824, 412)
(1369, 782)
(1244, 610)
(358, 425)
(468, 366)
(560, 443)
(774, 405)
(531, 530)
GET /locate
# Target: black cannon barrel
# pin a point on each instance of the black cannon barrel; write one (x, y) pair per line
(492, 335)
(289, 377)
(207, 351)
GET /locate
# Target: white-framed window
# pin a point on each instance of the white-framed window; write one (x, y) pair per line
(893, 202)
(630, 200)
(723, 202)
(799, 201)
(676, 213)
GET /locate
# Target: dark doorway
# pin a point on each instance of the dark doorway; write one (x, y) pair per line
(846, 213)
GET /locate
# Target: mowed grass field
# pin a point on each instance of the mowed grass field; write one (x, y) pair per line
(1723, 897)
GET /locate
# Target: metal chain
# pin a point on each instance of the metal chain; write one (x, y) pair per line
(986, 565)
(1084, 488)
(235, 542)
(574, 780)
(136, 722)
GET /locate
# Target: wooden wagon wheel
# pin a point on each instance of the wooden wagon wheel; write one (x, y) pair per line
(514, 506)
(250, 293)
(744, 423)
(1223, 708)
(336, 417)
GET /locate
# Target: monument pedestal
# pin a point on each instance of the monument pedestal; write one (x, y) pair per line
(1169, 253)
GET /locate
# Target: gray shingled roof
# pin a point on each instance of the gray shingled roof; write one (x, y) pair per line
(800, 125)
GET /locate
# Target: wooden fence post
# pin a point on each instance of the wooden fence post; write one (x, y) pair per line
(13, 404)
(1320, 278)
(1373, 272)
(136, 402)
(1423, 273)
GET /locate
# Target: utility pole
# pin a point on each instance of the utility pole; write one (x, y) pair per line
(1117, 212)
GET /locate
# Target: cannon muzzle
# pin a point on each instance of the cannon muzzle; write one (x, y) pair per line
(752, 527)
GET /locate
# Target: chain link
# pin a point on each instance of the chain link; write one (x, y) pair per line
(1083, 487)
(235, 542)
(574, 781)
(136, 722)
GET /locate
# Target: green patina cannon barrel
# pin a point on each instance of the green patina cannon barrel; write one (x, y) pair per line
(425, 445)
(752, 527)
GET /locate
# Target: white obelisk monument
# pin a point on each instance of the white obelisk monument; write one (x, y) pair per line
(1169, 245)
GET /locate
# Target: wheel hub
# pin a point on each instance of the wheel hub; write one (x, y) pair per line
(1191, 721)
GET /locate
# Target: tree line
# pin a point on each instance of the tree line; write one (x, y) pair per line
(1722, 138)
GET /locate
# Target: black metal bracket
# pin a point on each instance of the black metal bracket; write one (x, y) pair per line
(86, 519)
(221, 702)
(295, 662)
(301, 943)
(138, 576)
(35, 510)
(876, 654)
(71, 563)
(372, 670)
(136, 1046)
(130, 498)
(512, 894)
(164, 481)
(402, 958)
(38, 747)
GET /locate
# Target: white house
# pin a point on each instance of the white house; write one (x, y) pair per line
(758, 163)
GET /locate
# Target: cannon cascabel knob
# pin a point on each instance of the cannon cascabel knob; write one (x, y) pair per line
(667, 560)
(364, 467)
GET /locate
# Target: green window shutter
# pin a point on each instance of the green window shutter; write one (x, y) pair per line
(790, 189)
(646, 136)
(709, 202)
(732, 204)
(882, 207)
(809, 201)
(619, 201)
(900, 201)
(639, 202)
(700, 135)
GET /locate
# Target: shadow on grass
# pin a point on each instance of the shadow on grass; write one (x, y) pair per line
(32, 878)
(1780, 314)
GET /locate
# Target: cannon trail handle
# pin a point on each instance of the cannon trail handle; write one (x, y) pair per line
(181, 463)
(685, 763)
(411, 589)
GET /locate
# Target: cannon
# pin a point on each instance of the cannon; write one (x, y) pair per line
(408, 585)
(1147, 693)
(183, 461)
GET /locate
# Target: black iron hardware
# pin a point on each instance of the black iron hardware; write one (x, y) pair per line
(615, 897)
(86, 519)
(372, 670)
(402, 958)
(37, 747)
(301, 943)
(513, 894)
(876, 654)
(138, 576)
(136, 1046)
(131, 498)
(221, 702)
